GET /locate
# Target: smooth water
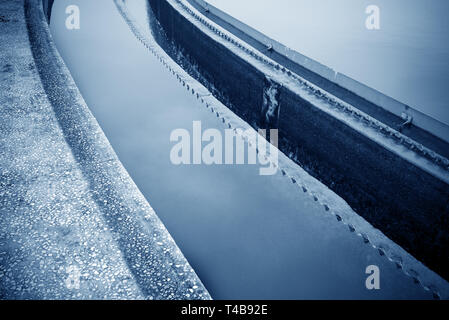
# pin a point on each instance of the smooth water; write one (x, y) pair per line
(247, 236)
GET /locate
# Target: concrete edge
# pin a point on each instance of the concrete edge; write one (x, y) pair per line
(112, 188)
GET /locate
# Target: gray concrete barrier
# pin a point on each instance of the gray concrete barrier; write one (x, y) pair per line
(72, 222)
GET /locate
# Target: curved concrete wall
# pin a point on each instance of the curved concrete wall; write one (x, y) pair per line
(408, 204)
(68, 201)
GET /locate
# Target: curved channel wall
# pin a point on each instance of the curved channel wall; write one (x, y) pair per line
(145, 245)
(408, 204)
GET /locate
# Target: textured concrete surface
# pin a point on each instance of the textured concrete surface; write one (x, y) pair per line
(73, 225)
